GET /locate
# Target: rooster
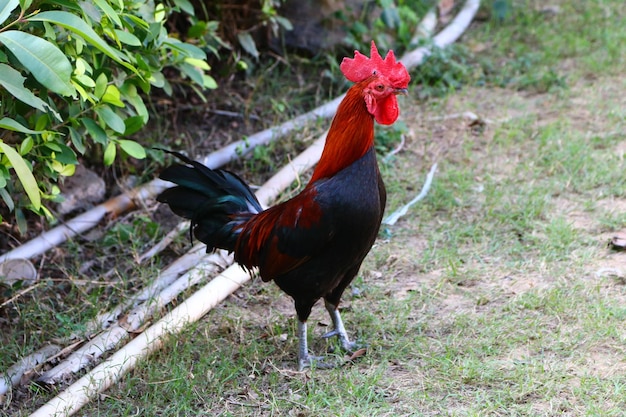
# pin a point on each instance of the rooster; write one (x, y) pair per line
(312, 245)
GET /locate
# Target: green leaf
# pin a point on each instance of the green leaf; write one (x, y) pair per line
(157, 79)
(6, 7)
(101, 85)
(109, 153)
(247, 43)
(108, 10)
(209, 82)
(112, 119)
(25, 4)
(13, 82)
(65, 155)
(112, 96)
(159, 12)
(136, 20)
(23, 174)
(20, 220)
(6, 197)
(96, 132)
(53, 146)
(77, 25)
(83, 93)
(77, 140)
(185, 6)
(85, 80)
(133, 124)
(187, 49)
(64, 170)
(284, 22)
(194, 73)
(10, 124)
(127, 38)
(132, 148)
(26, 145)
(43, 59)
(197, 30)
(200, 63)
(131, 96)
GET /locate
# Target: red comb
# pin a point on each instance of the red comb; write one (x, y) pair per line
(361, 67)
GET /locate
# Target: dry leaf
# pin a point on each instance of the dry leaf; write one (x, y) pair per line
(357, 354)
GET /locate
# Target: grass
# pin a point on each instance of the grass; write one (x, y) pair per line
(495, 296)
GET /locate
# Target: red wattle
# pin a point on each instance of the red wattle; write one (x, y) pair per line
(386, 111)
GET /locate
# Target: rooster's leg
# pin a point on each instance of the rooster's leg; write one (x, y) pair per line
(339, 329)
(305, 359)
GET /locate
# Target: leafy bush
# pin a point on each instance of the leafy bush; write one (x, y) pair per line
(392, 24)
(71, 78)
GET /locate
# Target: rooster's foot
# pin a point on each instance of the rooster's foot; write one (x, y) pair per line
(339, 329)
(305, 359)
(346, 344)
(317, 362)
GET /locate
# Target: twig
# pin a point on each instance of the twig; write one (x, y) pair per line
(393, 217)
(465, 115)
(18, 295)
(396, 150)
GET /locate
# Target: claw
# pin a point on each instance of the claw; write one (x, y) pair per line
(339, 330)
(330, 334)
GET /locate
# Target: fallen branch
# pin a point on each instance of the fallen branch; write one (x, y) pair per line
(393, 217)
(166, 277)
(106, 320)
(448, 35)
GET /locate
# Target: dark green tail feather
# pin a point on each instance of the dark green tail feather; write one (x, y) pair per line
(214, 200)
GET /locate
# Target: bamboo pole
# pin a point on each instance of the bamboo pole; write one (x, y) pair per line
(132, 322)
(108, 372)
(14, 374)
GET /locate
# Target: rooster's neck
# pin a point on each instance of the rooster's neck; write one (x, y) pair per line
(350, 136)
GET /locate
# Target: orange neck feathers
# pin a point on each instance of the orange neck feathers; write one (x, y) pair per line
(350, 136)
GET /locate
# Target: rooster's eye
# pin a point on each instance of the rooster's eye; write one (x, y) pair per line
(380, 87)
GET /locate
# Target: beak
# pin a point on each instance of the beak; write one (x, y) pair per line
(402, 91)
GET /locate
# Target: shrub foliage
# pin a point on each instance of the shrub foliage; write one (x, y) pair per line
(73, 75)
